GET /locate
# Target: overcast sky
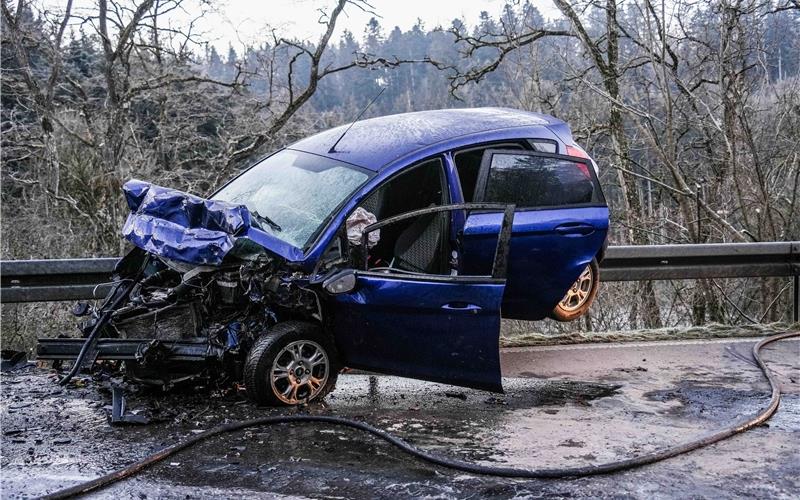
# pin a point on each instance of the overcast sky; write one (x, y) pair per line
(243, 21)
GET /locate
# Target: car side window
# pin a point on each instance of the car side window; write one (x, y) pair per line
(536, 180)
(419, 186)
(418, 245)
(468, 164)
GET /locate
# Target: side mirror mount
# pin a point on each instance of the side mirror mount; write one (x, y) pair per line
(341, 282)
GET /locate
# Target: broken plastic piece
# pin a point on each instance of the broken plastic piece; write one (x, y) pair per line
(118, 413)
(81, 309)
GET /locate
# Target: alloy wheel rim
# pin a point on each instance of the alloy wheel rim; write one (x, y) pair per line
(299, 372)
(579, 292)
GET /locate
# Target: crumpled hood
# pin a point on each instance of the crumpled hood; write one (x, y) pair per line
(181, 226)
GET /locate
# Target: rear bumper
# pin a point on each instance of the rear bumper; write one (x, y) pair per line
(129, 349)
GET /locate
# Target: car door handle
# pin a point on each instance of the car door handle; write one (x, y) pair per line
(574, 229)
(462, 307)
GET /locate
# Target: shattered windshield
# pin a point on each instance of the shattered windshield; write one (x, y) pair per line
(291, 194)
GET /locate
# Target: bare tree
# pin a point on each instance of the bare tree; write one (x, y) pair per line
(287, 94)
(604, 52)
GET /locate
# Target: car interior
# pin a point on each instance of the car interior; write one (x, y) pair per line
(416, 245)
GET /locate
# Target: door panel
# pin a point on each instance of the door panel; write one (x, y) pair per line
(543, 260)
(443, 330)
(560, 224)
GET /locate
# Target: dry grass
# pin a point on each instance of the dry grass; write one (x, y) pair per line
(22, 324)
(712, 330)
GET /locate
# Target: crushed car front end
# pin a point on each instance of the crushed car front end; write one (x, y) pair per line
(191, 297)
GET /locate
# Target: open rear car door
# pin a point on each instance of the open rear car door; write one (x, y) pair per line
(560, 225)
(442, 328)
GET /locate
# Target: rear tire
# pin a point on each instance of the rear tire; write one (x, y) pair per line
(580, 295)
(292, 363)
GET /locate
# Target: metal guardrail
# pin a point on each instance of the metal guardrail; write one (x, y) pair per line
(54, 279)
(73, 279)
(715, 260)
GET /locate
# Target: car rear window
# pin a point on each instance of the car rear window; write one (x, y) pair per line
(528, 180)
(543, 145)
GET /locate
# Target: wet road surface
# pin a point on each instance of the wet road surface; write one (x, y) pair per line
(564, 406)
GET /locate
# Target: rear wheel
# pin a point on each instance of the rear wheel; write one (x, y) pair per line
(293, 363)
(580, 295)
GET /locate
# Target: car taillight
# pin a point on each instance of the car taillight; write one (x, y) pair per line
(576, 151)
(579, 153)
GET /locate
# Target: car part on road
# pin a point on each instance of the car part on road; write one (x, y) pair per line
(13, 360)
(118, 413)
(580, 295)
(472, 468)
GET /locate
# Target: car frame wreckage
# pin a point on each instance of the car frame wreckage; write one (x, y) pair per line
(393, 246)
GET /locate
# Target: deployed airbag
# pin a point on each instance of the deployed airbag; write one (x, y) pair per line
(181, 226)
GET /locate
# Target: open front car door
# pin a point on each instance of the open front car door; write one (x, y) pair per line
(437, 327)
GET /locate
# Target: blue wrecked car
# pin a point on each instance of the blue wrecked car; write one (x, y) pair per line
(394, 246)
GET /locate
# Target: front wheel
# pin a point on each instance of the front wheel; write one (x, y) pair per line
(293, 363)
(580, 295)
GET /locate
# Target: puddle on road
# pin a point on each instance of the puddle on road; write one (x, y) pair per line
(709, 402)
(377, 391)
(561, 392)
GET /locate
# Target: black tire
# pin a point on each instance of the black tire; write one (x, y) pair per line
(258, 368)
(563, 312)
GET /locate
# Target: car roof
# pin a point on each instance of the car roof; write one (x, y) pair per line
(376, 142)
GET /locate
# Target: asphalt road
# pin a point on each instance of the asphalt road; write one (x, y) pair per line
(564, 406)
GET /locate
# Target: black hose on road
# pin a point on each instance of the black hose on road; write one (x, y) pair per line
(473, 468)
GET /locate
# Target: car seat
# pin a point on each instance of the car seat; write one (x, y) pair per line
(374, 203)
(418, 248)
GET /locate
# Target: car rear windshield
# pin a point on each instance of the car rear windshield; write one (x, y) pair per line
(291, 194)
(539, 181)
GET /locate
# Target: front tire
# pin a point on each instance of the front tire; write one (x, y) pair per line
(293, 363)
(580, 295)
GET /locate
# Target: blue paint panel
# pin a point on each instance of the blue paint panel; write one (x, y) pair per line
(457, 217)
(422, 329)
(184, 227)
(174, 241)
(542, 263)
(181, 226)
(185, 209)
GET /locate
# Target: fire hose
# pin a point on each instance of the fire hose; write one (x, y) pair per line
(455, 464)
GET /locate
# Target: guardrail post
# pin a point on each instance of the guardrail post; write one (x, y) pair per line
(796, 308)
